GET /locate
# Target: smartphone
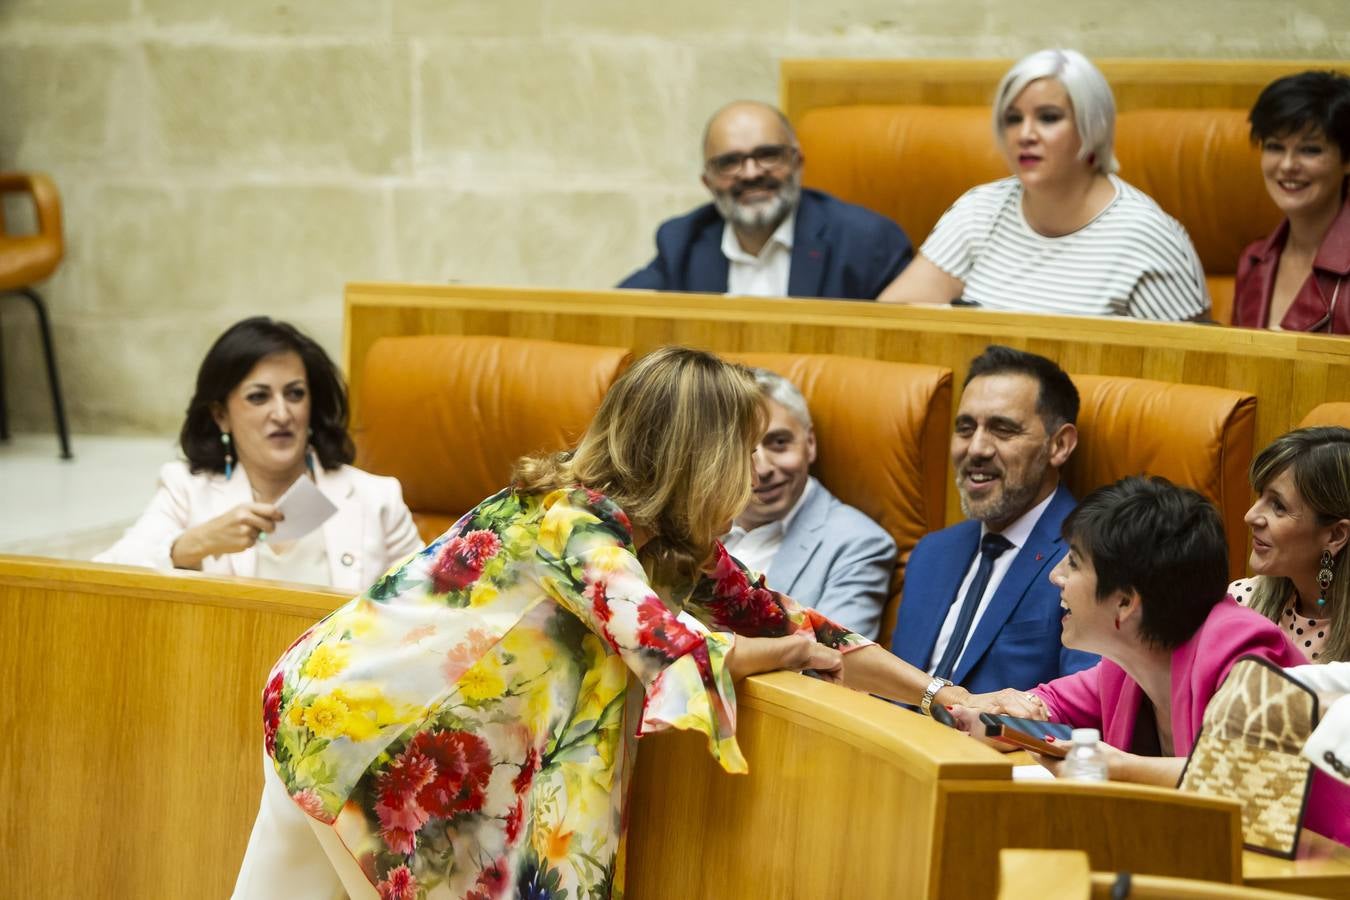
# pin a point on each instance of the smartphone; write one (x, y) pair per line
(1029, 734)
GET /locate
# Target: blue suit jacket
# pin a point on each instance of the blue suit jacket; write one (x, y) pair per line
(838, 250)
(837, 561)
(1016, 642)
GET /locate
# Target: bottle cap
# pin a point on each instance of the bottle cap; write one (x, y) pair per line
(1086, 736)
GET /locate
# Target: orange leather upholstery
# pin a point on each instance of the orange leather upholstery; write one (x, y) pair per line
(910, 162)
(29, 258)
(1327, 414)
(1196, 436)
(882, 433)
(449, 415)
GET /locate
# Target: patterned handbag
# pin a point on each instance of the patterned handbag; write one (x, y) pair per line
(1248, 750)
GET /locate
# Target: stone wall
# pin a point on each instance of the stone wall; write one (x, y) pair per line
(224, 159)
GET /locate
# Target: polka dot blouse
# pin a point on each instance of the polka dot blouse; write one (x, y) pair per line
(1308, 634)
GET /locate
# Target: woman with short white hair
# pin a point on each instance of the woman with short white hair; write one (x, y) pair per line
(1064, 234)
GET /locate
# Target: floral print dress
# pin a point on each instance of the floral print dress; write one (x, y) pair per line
(468, 725)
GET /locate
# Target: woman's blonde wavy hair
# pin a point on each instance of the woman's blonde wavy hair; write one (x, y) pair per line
(671, 445)
(1319, 459)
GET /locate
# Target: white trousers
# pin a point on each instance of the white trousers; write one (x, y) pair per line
(292, 857)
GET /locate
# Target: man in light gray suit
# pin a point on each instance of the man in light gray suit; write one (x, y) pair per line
(809, 545)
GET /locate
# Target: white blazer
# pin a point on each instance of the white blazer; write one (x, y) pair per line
(371, 530)
(1329, 746)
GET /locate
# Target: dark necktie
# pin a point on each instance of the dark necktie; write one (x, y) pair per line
(991, 548)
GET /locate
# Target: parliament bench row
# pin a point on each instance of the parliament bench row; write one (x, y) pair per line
(447, 415)
(133, 742)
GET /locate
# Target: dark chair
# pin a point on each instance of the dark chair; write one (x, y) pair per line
(24, 261)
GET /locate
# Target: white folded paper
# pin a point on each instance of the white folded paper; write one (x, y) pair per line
(304, 507)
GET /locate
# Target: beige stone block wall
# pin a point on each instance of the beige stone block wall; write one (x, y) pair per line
(218, 160)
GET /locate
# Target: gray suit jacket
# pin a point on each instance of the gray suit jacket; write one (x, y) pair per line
(837, 561)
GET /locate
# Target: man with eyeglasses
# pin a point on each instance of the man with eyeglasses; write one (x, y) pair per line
(764, 235)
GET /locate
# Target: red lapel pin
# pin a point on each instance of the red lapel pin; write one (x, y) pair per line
(1040, 556)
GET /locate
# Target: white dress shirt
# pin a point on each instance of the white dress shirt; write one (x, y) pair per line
(1016, 534)
(765, 274)
(757, 547)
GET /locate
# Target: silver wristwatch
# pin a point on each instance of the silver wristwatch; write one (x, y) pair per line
(930, 692)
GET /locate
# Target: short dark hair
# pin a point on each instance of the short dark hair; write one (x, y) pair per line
(1320, 99)
(1057, 399)
(228, 362)
(1162, 541)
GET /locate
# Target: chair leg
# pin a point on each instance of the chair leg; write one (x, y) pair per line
(4, 412)
(45, 327)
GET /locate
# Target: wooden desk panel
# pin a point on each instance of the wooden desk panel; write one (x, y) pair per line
(131, 762)
(131, 724)
(1321, 869)
(806, 84)
(848, 796)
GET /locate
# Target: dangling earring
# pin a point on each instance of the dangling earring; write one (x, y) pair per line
(309, 451)
(1324, 576)
(229, 459)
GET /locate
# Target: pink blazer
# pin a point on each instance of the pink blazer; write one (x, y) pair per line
(1105, 698)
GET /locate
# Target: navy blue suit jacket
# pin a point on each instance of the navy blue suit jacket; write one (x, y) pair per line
(838, 250)
(1016, 642)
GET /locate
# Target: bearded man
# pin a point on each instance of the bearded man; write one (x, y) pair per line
(979, 609)
(764, 235)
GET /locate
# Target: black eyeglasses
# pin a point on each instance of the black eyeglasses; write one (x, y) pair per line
(766, 156)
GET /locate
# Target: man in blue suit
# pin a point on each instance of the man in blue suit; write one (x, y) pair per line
(809, 544)
(763, 235)
(979, 609)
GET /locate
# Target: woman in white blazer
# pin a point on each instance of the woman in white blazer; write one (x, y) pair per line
(1329, 746)
(269, 408)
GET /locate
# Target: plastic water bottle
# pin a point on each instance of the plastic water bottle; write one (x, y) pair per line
(1085, 762)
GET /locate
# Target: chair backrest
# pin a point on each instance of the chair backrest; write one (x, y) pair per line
(449, 415)
(1196, 436)
(882, 432)
(1327, 414)
(911, 162)
(27, 258)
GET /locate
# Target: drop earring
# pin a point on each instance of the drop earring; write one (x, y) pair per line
(229, 458)
(1324, 575)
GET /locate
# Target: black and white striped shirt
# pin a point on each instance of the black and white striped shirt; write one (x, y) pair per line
(1133, 259)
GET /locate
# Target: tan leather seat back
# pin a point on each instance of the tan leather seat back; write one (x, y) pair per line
(1196, 436)
(909, 163)
(1327, 414)
(1204, 171)
(448, 415)
(882, 433)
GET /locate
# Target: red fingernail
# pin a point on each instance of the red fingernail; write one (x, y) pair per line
(1049, 740)
(950, 708)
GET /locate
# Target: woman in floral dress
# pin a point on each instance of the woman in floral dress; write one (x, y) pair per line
(466, 728)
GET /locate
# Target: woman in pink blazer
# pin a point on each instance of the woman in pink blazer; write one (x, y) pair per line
(269, 409)
(1144, 585)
